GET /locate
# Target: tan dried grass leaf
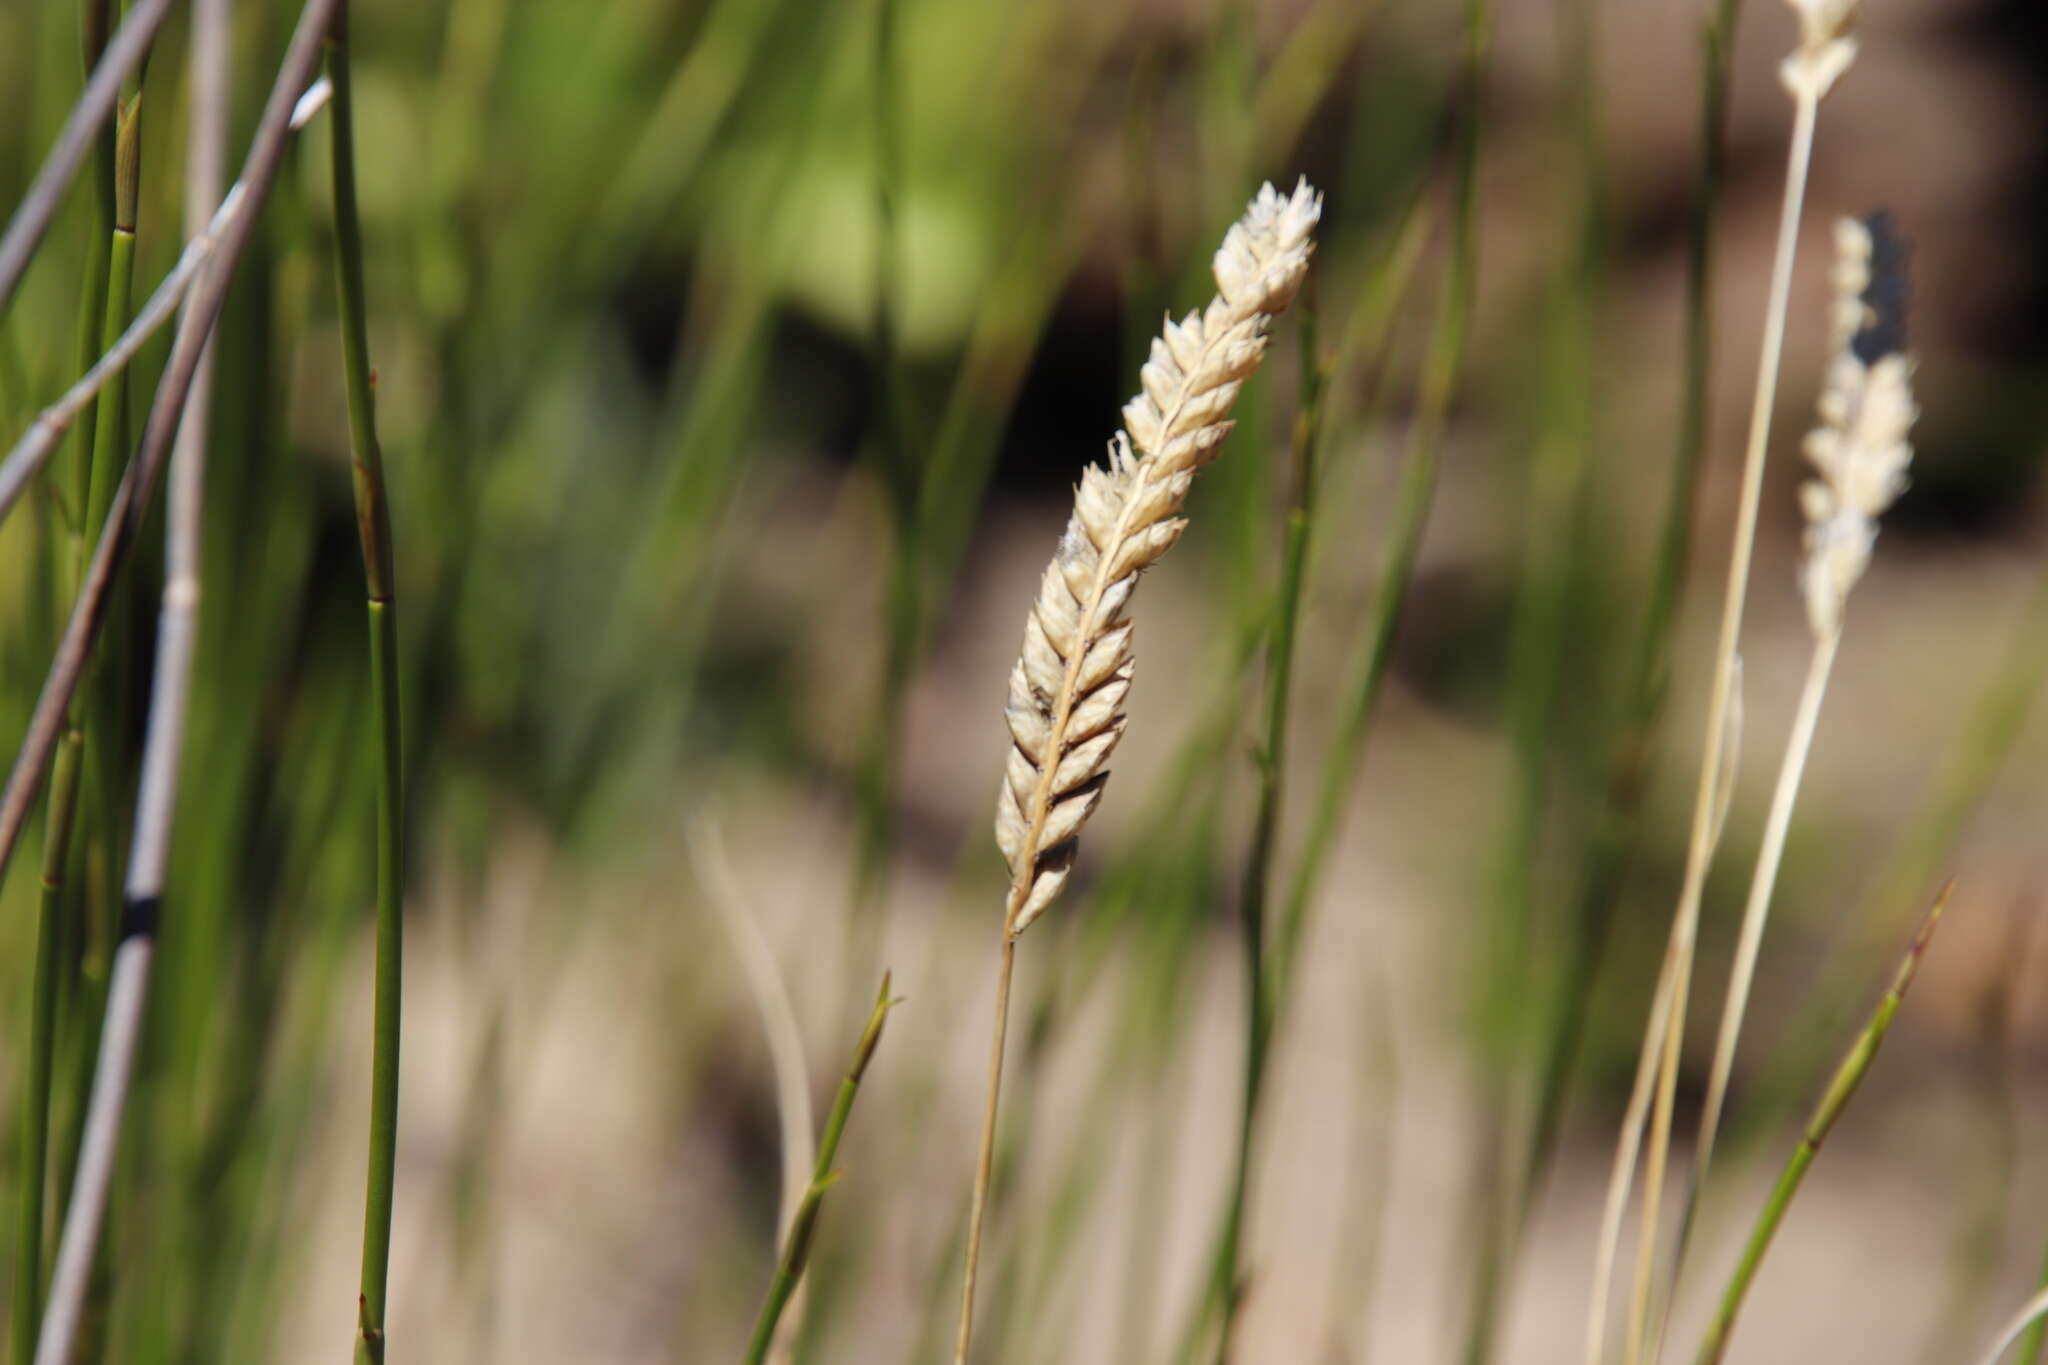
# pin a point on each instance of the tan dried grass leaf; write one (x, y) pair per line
(1065, 708)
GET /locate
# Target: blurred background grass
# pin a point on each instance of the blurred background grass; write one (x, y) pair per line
(734, 362)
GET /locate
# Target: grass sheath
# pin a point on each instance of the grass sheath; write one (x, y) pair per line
(127, 988)
(1066, 694)
(803, 1226)
(1847, 1077)
(373, 520)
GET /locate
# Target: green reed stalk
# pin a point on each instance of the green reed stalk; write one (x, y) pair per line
(92, 715)
(98, 707)
(69, 551)
(803, 1227)
(373, 520)
(1847, 1077)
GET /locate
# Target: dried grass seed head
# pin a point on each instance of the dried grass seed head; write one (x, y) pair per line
(1826, 46)
(1860, 449)
(1065, 708)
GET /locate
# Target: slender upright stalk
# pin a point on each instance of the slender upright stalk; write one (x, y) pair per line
(373, 520)
(95, 20)
(796, 1244)
(97, 714)
(1860, 451)
(1847, 1077)
(128, 985)
(1699, 849)
(1762, 882)
(985, 1159)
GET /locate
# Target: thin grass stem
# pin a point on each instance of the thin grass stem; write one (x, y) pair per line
(1756, 911)
(796, 1246)
(2028, 1320)
(1699, 849)
(129, 981)
(1847, 1077)
(373, 520)
(984, 1165)
(68, 549)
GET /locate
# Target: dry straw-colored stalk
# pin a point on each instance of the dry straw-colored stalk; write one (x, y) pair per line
(1824, 51)
(1065, 709)
(1860, 452)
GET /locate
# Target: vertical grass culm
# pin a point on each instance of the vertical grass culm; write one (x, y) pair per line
(95, 18)
(373, 520)
(803, 1224)
(1066, 694)
(128, 982)
(1860, 452)
(1824, 52)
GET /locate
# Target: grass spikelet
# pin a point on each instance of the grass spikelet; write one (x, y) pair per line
(1067, 689)
(1065, 708)
(1859, 450)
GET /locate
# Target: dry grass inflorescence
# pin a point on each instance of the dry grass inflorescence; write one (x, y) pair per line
(1065, 708)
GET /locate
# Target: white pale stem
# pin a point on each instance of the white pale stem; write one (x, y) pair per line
(121, 1031)
(1762, 883)
(2021, 1321)
(1685, 924)
(1620, 1180)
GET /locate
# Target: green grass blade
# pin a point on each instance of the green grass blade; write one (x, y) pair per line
(796, 1245)
(373, 517)
(1847, 1077)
